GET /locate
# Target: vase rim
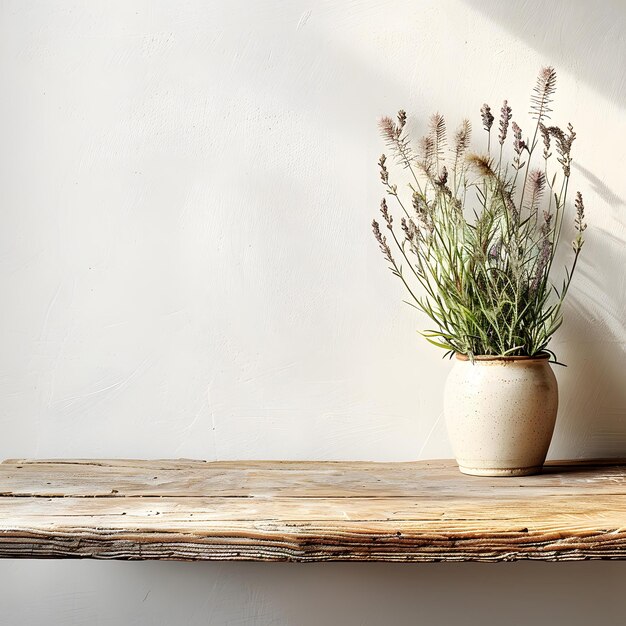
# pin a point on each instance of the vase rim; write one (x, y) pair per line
(540, 356)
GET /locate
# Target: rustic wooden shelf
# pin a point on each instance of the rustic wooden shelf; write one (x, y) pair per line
(307, 511)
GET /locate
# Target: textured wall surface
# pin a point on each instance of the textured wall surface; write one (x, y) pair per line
(186, 269)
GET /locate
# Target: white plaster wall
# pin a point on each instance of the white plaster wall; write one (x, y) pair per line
(186, 269)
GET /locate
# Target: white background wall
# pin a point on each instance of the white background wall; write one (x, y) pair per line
(186, 269)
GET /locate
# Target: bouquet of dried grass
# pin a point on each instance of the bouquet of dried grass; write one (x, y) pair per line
(478, 233)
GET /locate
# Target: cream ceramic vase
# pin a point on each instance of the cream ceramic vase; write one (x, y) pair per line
(500, 414)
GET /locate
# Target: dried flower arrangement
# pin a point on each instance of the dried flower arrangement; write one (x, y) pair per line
(478, 235)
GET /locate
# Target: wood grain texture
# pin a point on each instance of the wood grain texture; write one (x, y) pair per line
(308, 511)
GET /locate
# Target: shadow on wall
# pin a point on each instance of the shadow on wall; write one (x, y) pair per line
(582, 38)
(590, 45)
(592, 418)
(592, 422)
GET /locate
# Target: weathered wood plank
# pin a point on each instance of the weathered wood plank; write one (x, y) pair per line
(307, 511)
(297, 479)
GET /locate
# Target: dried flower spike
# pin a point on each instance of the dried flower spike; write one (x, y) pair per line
(563, 146)
(411, 233)
(438, 134)
(462, 141)
(482, 164)
(579, 222)
(394, 137)
(388, 129)
(382, 241)
(427, 154)
(405, 228)
(384, 173)
(535, 186)
(420, 207)
(384, 209)
(487, 117)
(505, 118)
(401, 120)
(541, 98)
(519, 145)
(545, 134)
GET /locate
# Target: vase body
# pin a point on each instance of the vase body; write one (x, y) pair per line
(500, 414)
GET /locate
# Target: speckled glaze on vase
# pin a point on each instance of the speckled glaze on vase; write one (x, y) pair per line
(500, 414)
